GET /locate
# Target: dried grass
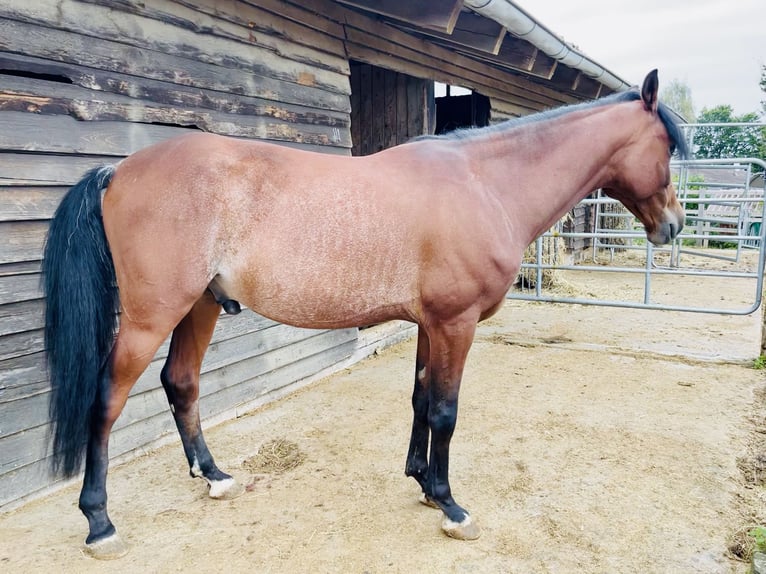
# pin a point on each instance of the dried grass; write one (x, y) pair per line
(275, 457)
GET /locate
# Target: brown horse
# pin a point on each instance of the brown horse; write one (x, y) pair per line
(431, 231)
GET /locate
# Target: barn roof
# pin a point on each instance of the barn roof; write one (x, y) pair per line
(501, 34)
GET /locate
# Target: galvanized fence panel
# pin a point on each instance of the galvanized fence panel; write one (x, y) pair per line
(723, 240)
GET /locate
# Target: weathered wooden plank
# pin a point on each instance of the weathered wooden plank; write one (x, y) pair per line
(21, 287)
(41, 169)
(389, 110)
(22, 240)
(19, 344)
(378, 109)
(24, 481)
(21, 131)
(62, 46)
(29, 203)
(308, 16)
(402, 126)
(243, 23)
(20, 317)
(63, 134)
(23, 376)
(145, 33)
(416, 108)
(438, 15)
(164, 95)
(20, 94)
(356, 104)
(366, 112)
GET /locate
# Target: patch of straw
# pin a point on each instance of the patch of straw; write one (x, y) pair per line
(275, 457)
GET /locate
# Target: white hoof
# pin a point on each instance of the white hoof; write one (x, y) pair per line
(226, 489)
(107, 548)
(465, 530)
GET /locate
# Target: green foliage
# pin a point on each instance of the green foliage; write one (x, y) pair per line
(723, 142)
(678, 96)
(759, 535)
(760, 364)
(763, 86)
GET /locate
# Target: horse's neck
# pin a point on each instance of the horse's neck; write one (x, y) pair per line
(540, 170)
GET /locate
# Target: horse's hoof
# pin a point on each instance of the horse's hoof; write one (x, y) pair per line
(227, 489)
(465, 530)
(424, 500)
(108, 548)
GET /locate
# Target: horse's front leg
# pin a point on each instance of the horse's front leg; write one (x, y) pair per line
(180, 379)
(417, 455)
(449, 345)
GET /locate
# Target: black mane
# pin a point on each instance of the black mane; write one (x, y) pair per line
(675, 135)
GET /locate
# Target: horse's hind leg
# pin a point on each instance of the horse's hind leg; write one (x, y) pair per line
(180, 378)
(132, 352)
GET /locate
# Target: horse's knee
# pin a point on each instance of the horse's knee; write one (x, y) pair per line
(442, 417)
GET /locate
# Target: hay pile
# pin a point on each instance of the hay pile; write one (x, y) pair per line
(553, 252)
(275, 457)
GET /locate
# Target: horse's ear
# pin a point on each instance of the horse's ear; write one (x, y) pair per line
(649, 91)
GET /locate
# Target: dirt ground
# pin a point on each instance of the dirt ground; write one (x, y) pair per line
(589, 440)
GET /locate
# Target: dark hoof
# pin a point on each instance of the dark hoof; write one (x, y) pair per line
(465, 530)
(108, 548)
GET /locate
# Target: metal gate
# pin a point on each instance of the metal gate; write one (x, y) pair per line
(721, 248)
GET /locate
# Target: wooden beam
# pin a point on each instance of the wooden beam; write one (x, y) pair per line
(478, 32)
(471, 31)
(438, 15)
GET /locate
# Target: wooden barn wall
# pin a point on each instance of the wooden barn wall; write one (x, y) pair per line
(387, 108)
(86, 83)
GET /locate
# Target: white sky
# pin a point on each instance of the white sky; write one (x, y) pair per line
(716, 47)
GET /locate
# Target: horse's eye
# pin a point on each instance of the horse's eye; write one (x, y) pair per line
(672, 149)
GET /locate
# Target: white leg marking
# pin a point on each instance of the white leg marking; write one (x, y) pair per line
(219, 488)
(448, 524)
(195, 469)
(422, 374)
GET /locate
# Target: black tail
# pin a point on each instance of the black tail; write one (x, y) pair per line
(80, 314)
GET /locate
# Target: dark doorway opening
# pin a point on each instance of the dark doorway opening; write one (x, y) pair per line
(461, 111)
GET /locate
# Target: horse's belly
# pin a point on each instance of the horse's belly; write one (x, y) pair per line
(316, 295)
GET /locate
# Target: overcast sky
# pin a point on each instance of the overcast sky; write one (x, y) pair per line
(715, 46)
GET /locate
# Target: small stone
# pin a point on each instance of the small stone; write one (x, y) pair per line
(759, 563)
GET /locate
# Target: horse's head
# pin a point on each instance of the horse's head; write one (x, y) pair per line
(641, 171)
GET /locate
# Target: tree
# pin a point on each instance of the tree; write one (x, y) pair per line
(728, 142)
(678, 96)
(763, 87)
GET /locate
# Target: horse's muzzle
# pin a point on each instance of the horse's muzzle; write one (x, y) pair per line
(668, 230)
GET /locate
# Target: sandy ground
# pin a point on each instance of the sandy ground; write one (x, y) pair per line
(589, 440)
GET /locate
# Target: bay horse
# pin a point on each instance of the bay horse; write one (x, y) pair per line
(431, 231)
